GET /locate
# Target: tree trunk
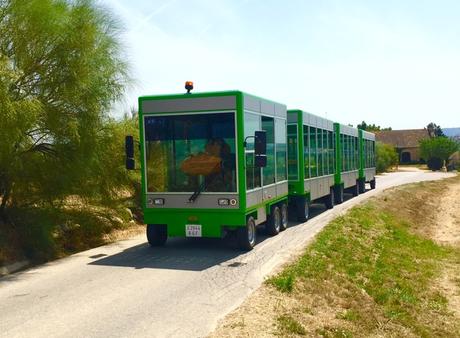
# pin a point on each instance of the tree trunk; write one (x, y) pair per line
(5, 198)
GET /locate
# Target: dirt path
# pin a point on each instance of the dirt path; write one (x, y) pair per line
(447, 232)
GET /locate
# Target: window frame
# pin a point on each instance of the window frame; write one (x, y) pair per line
(144, 148)
(296, 128)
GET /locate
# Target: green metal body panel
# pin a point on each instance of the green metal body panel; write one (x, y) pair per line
(361, 155)
(297, 187)
(338, 156)
(213, 221)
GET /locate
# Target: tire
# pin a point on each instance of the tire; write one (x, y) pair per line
(355, 189)
(373, 183)
(157, 234)
(362, 186)
(246, 236)
(302, 209)
(338, 193)
(284, 217)
(330, 199)
(273, 225)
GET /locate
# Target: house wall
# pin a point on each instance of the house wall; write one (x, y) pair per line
(454, 161)
(414, 154)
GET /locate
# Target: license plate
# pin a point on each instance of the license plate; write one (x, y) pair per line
(193, 230)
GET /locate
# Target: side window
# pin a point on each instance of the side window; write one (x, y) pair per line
(370, 152)
(306, 150)
(366, 153)
(373, 153)
(366, 156)
(357, 153)
(268, 124)
(352, 153)
(350, 157)
(342, 146)
(313, 153)
(334, 165)
(331, 153)
(325, 153)
(292, 152)
(280, 141)
(251, 124)
(319, 150)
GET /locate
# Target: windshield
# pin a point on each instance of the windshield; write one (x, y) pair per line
(186, 152)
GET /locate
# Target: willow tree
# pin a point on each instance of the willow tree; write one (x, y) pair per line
(61, 69)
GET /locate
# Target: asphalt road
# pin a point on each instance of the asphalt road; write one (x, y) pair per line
(127, 289)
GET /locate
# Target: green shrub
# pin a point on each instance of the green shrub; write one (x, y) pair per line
(434, 163)
(437, 149)
(386, 156)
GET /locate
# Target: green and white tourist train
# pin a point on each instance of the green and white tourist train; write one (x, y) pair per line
(219, 162)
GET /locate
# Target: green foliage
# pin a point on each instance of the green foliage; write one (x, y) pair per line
(386, 156)
(434, 130)
(41, 234)
(289, 325)
(61, 69)
(438, 147)
(283, 282)
(370, 127)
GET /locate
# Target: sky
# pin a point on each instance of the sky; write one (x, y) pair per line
(392, 63)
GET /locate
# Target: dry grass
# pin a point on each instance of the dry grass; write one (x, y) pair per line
(376, 272)
(40, 234)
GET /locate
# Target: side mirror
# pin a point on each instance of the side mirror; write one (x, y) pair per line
(130, 164)
(129, 146)
(129, 151)
(260, 143)
(260, 161)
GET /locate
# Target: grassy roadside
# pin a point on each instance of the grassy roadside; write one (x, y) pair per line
(39, 234)
(372, 272)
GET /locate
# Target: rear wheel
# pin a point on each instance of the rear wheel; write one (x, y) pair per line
(284, 217)
(355, 189)
(303, 210)
(247, 235)
(338, 192)
(330, 199)
(372, 184)
(157, 234)
(273, 225)
(362, 186)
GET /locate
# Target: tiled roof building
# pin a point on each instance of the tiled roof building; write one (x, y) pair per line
(405, 141)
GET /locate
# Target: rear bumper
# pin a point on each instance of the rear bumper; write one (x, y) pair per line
(212, 222)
